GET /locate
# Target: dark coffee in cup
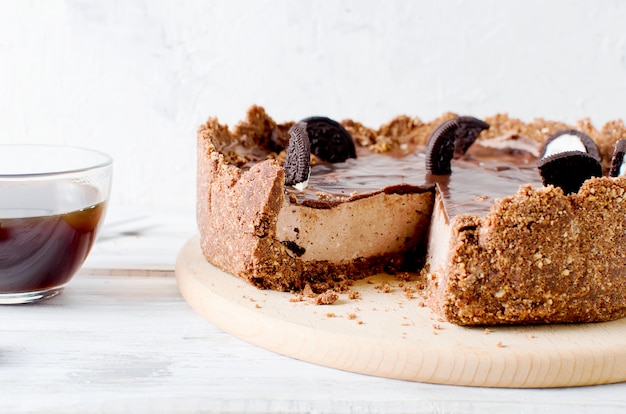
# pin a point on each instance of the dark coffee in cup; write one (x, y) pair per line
(52, 205)
(39, 253)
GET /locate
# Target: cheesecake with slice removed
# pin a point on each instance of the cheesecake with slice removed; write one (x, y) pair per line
(482, 209)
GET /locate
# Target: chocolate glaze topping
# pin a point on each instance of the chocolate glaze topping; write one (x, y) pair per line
(479, 177)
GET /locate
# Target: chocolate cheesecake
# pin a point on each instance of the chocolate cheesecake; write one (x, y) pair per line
(497, 241)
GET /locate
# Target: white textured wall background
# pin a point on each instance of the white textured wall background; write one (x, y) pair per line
(136, 77)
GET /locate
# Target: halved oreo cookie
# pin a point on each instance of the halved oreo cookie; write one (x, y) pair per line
(329, 139)
(569, 170)
(569, 140)
(298, 162)
(467, 132)
(617, 160)
(322, 136)
(440, 148)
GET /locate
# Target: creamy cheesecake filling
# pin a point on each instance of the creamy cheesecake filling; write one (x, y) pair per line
(439, 236)
(371, 206)
(366, 227)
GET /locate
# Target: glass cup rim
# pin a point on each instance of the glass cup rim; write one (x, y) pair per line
(103, 160)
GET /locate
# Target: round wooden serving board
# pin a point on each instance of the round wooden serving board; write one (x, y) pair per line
(387, 333)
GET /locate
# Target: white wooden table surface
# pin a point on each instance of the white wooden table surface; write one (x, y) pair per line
(121, 339)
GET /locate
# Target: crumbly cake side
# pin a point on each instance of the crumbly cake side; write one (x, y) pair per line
(538, 256)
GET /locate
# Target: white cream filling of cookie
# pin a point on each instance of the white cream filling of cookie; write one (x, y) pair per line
(564, 143)
(304, 184)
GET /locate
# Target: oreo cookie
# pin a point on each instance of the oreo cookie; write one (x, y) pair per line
(329, 139)
(440, 148)
(568, 140)
(318, 135)
(569, 169)
(468, 130)
(298, 162)
(617, 160)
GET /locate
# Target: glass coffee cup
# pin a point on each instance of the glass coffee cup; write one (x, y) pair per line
(52, 203)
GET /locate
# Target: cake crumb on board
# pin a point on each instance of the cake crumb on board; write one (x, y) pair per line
(307, 295)
(327, 298)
